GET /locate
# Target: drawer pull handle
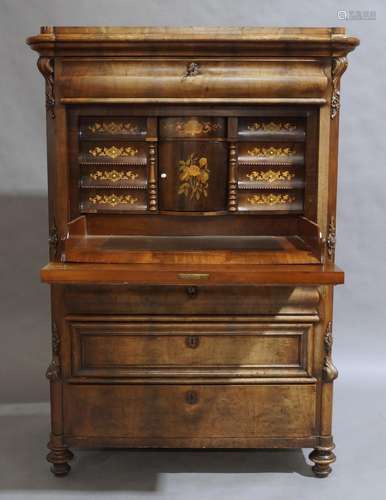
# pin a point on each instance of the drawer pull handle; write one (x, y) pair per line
(193, 276)
(191, 291)
(192, 341)
(192, 69)
(192, 397)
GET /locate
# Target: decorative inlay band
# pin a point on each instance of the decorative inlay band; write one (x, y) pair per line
(270, 175)
(114, 175)
(196, 127)
(113, 151)
(271, 199)
(113, 128)
(112, 199)
(272, 127)
(271, 151)
(194, 177)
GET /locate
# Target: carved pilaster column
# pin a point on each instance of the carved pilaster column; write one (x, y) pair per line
(152, 181)
(232, 179)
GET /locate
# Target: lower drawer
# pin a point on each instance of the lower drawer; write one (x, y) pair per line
(160, 348)
(176, 414)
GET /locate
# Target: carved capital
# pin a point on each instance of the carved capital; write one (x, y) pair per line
(330, 373)
(331, 238)
(339, 65)
(54, 238)
(53, 371)
(46, 68)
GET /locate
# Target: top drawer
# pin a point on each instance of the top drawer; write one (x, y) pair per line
(200, 78)
(176, 300)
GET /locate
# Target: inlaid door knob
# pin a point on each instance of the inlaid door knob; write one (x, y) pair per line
(163, 175)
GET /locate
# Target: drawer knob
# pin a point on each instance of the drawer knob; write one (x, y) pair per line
(191, 291)
(192, 341)
(191, 397)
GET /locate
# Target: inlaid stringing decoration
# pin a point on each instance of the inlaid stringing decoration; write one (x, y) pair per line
(196, 127)
(272, 127)
(112, 199)
(194, 177)
(113, 151)
(114, 128)
(114, 175)
(271, 199)
(271, 151)
(270, 175)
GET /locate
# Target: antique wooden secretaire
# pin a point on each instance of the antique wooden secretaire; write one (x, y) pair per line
(192, 178)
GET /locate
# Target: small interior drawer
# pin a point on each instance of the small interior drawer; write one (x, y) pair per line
(113, 127)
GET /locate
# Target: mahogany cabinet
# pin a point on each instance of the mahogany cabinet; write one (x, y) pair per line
(192, 193)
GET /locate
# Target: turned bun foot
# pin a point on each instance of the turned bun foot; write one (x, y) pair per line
(59, 458)
(323, 457)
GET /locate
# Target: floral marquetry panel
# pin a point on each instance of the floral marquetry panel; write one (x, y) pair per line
(193, 176)
(192, 127)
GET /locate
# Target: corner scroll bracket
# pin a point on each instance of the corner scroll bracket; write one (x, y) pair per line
(339, 65)
(46, 68)
(330, 373)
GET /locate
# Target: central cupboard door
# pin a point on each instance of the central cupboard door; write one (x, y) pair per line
(193, 164)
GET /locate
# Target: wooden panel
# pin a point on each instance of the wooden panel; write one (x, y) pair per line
(193, 176)
(192, 127)
(196, 411)
(187, 274)
(198, 299)
(108, 127)
(183, 349)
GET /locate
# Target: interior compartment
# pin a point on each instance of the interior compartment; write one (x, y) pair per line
(214, 184)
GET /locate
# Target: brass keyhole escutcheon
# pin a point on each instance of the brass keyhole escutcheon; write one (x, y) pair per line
(192, 341)
(192, 69)
(191, 397)
(191, 291)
